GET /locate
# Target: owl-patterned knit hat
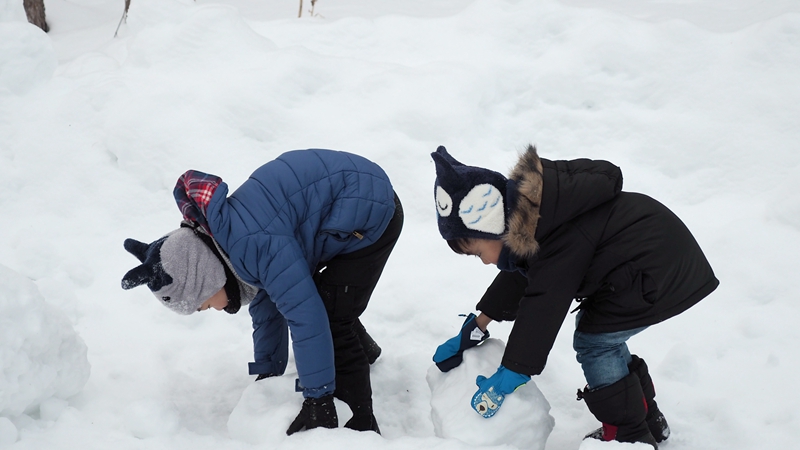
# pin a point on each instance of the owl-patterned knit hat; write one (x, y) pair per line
(469, 200)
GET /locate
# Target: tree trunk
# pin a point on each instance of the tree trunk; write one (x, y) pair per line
(35, 12)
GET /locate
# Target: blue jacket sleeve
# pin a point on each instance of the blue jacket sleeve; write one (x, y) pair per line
(270, 337)
(287, 279)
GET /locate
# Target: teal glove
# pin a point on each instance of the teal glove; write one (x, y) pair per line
(449, 355)
(492, 391)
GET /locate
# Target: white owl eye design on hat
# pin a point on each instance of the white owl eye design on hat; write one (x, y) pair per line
(444, 203)
(482, 209)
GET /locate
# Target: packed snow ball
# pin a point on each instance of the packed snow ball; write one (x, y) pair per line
(524, 420)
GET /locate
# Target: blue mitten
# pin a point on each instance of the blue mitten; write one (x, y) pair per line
(449, 355)
(492, 391)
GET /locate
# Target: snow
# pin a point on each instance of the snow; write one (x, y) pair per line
(697, 101)
(43, 360)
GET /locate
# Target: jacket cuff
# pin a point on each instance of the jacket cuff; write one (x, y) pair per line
(521, 369)
(318, 392)
(258, 368)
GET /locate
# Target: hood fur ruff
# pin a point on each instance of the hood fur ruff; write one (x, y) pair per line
(522, 220)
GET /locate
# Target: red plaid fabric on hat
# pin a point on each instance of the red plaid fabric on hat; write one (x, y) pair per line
(193, 192)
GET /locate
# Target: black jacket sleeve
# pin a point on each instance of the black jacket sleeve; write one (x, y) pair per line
(554, 277)
(501, 300)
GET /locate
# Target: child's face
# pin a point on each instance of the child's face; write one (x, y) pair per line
(217, 301)
(487, 250)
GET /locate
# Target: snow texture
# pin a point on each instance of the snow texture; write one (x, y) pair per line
(697, 101)
(42, 359)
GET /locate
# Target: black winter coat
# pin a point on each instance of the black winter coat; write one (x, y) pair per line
(572, 234)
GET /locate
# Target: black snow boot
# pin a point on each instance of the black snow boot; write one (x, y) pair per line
(621, 408)
(354, 389)
(655, 419)
(369, 345)
(363, 420)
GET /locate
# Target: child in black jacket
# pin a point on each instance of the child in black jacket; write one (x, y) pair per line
(563, 231)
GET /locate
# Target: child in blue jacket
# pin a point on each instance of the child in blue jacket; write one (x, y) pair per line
(303, 241)
(561, 231)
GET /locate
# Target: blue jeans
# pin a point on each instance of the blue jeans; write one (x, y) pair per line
(604, 357)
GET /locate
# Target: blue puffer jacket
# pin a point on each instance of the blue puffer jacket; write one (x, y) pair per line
(304, 207)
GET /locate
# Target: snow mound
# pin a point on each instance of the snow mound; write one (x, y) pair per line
(149, 418)
(524, 420)
(42, 359)
(27, 58)
(8, 432)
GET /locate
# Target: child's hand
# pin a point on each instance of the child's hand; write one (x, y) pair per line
(449, 355)
(492, 391)
(316, 412)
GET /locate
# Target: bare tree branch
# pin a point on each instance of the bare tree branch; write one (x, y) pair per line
(124, 16)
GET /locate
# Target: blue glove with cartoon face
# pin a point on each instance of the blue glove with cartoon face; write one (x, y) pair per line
(492, 391)
(449, 355)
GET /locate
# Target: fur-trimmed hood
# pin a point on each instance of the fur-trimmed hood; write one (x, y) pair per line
(523, 218)
(548, 194)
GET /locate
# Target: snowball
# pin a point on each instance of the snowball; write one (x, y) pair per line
(27, 58)
(264, 412)
(523, 420)
(41, 355)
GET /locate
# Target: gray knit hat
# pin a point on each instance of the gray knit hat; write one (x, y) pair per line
(180, 270)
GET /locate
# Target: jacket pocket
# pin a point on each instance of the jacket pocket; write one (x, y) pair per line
(341, 235)
(622, 292)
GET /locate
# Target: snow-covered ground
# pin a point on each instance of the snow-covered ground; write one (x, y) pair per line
(697, 101)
